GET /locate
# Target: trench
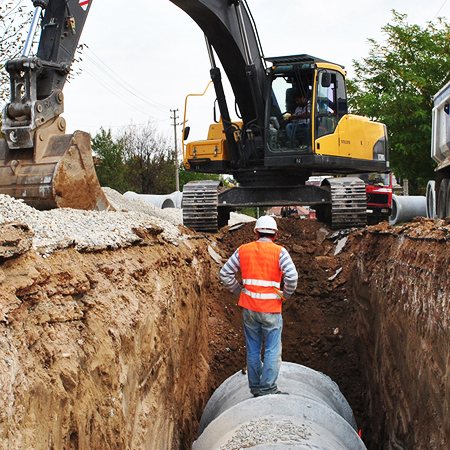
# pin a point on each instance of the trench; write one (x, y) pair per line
(122, 349)
(373, 317)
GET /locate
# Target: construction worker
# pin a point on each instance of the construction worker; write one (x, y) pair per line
(263, 265)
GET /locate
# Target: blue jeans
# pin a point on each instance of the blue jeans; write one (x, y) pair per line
(294, 129)
(262, 377)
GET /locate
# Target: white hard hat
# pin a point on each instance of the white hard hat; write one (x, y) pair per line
(266, 224)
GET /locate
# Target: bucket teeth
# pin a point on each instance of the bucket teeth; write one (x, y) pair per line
(60, 174)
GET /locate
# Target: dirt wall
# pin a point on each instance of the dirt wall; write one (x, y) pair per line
(104, 350)
(400, 281)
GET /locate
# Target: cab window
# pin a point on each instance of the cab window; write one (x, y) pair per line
(331, 102)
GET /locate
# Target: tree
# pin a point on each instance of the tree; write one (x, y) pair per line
(149, 160)
(111, 168)
(14, 18)
(395, 85)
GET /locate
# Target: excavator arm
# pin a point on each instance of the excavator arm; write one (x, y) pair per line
(229, 29)
(46, 167)
(37, 82)
(38, 161)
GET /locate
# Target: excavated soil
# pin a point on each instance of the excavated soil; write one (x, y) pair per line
(120, 349)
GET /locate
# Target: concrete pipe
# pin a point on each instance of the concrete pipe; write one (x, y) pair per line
(315, 414)
(177, 198)
(431, 199)
(158, 201)
(405, 208)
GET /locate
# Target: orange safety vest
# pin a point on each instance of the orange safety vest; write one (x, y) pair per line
(261, 275)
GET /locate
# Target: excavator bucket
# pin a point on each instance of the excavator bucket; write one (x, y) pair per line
(58, 173)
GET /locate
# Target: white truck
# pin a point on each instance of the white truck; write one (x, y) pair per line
(438, 192)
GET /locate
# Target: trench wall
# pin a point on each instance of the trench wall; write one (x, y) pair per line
(401, 285)
(103, 350)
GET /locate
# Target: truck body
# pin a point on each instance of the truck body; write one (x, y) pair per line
(439, 192)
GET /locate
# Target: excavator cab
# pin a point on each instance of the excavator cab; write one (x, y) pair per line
(327, 129)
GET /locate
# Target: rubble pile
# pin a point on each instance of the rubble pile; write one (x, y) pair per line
(120, 203)
(83, 230)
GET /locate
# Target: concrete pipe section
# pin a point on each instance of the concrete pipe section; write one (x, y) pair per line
(315, 415)
(159, 201)
(405, 208)
(431, 200)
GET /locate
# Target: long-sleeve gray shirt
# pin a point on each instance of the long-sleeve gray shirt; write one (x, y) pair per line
(287, 267)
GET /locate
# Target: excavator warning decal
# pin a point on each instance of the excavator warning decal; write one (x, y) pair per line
(84, 4)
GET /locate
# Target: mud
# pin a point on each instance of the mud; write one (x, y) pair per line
(121, 349)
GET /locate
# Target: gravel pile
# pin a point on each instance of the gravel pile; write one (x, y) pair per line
(96, 230)
(84, 230)
(120, 203)
(172, 215)
(265, 431)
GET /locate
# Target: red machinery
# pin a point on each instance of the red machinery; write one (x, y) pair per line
(379, 196)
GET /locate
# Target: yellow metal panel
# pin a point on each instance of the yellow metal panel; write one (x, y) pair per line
(331, 66)
(216, 131)
(354, 137)
(212, 149)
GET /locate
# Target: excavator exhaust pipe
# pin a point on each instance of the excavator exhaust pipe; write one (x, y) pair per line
(58, 173)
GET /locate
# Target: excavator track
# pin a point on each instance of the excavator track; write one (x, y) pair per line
(348, 202)
(200, 203)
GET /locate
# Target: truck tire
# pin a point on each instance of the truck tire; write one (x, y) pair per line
(442, 199)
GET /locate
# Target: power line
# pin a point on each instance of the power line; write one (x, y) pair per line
(98, 62)
(110, 89)
(440, 9)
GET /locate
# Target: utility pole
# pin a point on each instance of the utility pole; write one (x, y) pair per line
(177, 175)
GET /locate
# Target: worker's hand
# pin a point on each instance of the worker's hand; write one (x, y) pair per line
(287, 116)
(280, 294)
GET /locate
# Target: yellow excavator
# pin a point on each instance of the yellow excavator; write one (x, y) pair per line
(271, 151)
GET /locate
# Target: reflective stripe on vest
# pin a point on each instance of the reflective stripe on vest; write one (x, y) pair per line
(264, 283)
(259, 296)
(261, 276)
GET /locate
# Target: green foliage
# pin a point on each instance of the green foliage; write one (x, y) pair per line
(111, 170)
(186, 176)
(149, 159)
(252, 212)
(138, 160)
(395, 85)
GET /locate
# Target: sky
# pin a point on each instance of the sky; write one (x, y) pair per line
(144, 56)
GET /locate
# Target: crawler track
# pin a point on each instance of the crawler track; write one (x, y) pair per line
(348, 202)
(200, 200)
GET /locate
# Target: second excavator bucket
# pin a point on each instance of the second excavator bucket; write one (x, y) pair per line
(58, 173)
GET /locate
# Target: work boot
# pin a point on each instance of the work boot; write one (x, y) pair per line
(281, 392)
